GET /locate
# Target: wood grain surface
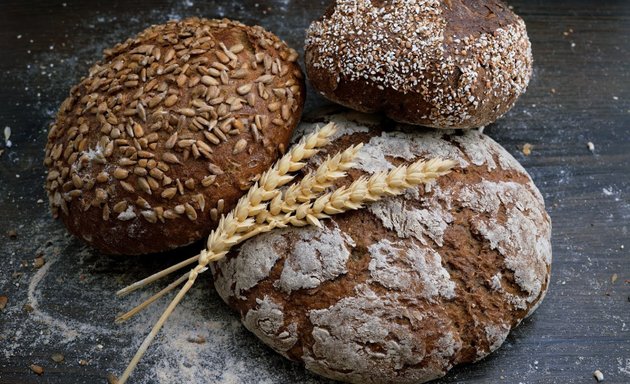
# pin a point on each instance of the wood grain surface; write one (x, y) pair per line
(580, 93)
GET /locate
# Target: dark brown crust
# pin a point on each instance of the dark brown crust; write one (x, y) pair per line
(467, 256)
(430, 103)
(84, 214)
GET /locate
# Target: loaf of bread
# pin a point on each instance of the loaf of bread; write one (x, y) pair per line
(402, 291)
(168, 131)
(442, 64)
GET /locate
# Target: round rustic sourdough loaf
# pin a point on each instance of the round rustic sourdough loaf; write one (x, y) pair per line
(402, 291)
(442, 64)
(168, 131)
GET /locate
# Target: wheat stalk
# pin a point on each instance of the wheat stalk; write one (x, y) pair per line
(264, 190)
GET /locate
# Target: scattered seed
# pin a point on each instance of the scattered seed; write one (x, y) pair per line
(170, 101)
(211, 138)
(273, 106)
(170, 214)
(170, 143)
(169, 193)
(185, 143)
(190, 212)
(57, 357)
(223, 58)
(237, 48)
(286, 113)
(39, 262)
(143, 184)
(220, 205)
(215, 169)
(37, 369)
(127, 187)
(179, 209)
(599, 376)
(244, 89)
(155, 100)
(209, 80)
(137, 130)
(189, 112)
(3, 302)
(120, 207)
(201, 201)
(149, 216)
(527, 149)
(265, 79)
(239, 146)
(120, 173)
(208, 180)
(170, 158)
(214, 214)
(190, 183)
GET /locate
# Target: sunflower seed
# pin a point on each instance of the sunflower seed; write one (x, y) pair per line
(170, 214)
(142, 203)
(120, 173)
(208, 180)
(149, 216)
(120, 207)
(169, 193)
(239, 146)
(127, 187)
(190, 212)
(170, 101)
(170, 158)
(209, 80)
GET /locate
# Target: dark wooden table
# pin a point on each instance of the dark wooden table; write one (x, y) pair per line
(580, 93)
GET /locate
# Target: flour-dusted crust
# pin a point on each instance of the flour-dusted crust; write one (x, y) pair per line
(168, 131)
(402, 291)
(444, 64)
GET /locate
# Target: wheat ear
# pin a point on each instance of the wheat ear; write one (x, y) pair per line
(264, 190)
(311, 185)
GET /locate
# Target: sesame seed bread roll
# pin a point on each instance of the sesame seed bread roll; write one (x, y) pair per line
(410, 286)
(168, 131)
(442, 64)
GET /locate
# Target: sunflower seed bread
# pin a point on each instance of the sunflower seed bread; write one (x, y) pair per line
(406, 289)
(442, 64)
(168, 131)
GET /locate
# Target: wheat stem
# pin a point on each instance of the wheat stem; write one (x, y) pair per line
(122, 318)
(156, 276)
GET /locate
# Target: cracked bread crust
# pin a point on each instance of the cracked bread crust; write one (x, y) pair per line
(406, 289)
